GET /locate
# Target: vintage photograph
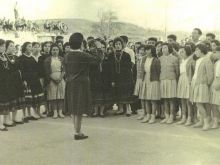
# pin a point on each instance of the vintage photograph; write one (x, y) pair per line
(109, 82)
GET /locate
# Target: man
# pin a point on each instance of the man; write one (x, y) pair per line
(59, 39)
(78, 94)
(151, 41)
(171, 38)
(210, 37)
(196, 34)
(128, 50)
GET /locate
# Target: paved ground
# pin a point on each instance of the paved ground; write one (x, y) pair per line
(112, 141)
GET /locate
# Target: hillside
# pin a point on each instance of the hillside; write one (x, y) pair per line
(87, 28)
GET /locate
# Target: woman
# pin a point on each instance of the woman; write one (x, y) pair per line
(121, 76)
(187, 67)
(34, 95)
(77, 92)
(96, 83)
(56, 86)
(16, 84)
(150, 92)
(215, 89)
(66, 48)
(4, 86)
(201, 82)
(168, 82)
(45, 53)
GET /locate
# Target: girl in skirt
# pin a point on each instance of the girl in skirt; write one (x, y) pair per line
(34, 96)
(16, 84)
(150, 92)
(4, 87)
(201, 81)
(139, 80)
(168, 81)
(215, 89)
(56, 84)
(187, 66)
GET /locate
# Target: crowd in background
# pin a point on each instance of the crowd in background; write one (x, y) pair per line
(21, 24)
(159, 78)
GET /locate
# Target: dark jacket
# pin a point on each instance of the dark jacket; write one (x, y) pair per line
(155, 69)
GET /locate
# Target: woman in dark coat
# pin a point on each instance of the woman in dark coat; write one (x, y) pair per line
(77, 93)
(16, 84)
(121, 76)
(4, 87)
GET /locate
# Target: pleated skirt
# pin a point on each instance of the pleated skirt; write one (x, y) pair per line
(56, 91)
(183, 87)
(168, 89)
(138, 86)
(215, 95)
(200, 93)
(150, 89)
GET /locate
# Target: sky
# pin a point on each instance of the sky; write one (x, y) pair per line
(182, 15)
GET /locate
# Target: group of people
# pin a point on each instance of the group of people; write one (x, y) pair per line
(55, 26)
(90, 76)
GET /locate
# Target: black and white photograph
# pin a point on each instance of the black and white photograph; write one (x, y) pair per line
(109, 82)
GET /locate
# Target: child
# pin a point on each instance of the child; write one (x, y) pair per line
(202, 79)
(183, 89)
(150, 92)
(215, 89)
(168, 81)
(138, 85)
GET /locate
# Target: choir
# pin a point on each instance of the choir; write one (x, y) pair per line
(163, 79)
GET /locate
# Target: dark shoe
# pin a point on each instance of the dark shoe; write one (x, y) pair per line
(18, 122)
(4, 129)
(102, 115)
(134, 112)
(128, 115)
(80, 137)
(32, 118)
(10, 125)
(25, 120)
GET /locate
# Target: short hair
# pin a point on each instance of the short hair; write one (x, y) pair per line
(172, 36)
(2, 42)
(210, 35)
(175, 46)
(44, 44)
(159, 42)
(203, 48)
(59, 38)
(138, 42)
(92, 43)
(110, 41)
(152, 39)
(141, 46)
(153, 50)
(120, 40)
(216, 42)
(103, 43)
(52, 46)
(24, 46)
(124, 38)
(170, 47)
(199, 30)
(35, 43)
(192, 45)
(187, 49)
(66, 44)
(76, 40)
(7, 43)
(90, 38)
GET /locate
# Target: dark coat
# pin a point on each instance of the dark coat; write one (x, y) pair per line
(77, 92)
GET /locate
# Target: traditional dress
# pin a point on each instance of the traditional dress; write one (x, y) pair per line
(215, 94)
(54, 71)
(30, 73)
(169, 76)
(151, 88)
(16, 83)
(5, 98)
(121, 75)
(77, 92)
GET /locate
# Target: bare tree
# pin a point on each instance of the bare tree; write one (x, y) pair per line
(106, 26)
